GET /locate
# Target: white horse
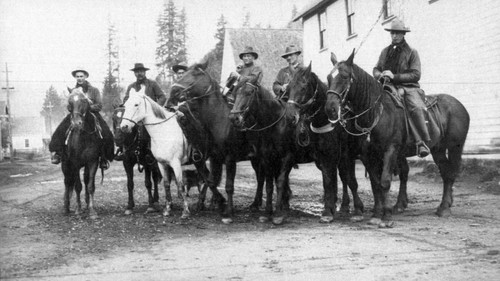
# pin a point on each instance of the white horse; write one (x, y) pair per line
(168, 143)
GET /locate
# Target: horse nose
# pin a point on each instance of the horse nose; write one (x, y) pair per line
(125, 128)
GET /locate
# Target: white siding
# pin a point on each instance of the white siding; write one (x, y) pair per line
(458, 42)
(228, 64)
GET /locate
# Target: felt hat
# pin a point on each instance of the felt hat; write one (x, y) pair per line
(249, 50)
(79, 70)
(139, 66)
(398, 25)
(181, 65)
(290, 50)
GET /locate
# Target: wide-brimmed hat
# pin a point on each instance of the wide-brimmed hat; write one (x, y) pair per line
(139, 66)
(79, 70)
(290, 50)
(398, 25)
(249, 50)
(181, 65)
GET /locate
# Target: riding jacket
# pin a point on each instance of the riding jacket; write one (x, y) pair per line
(251, 71)
(284, 77)
(153, 91)
(407, 71)
(93, 94)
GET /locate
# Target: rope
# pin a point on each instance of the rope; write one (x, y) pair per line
(373, 26)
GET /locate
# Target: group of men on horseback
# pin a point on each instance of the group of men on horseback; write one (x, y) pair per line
(398, 64)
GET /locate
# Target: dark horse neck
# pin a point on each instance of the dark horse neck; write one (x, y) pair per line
(317, 113)
(365, 105)
(266, 108)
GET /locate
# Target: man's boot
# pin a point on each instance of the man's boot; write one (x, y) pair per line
(104, 164)
(421, 133)
(55, 158)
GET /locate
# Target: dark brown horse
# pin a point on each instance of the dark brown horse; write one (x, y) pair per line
(328, 142)
(384, 122)
(82, 151)
(136, 145)
(205, 106)
(270, 126)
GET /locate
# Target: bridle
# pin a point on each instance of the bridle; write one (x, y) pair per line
(309, 102)
(186, 89)
(344, 110)
(145, 108)
(246, 110)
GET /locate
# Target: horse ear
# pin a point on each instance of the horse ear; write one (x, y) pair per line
(309, 67)
(351, 58)
(69, 89)
(204, 65)
(333, 59)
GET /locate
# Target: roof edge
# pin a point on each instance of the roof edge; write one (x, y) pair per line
(311, 9)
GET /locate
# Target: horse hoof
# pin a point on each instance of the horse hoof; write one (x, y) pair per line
(356, 218)
(150, 210)
(374, 221)
(166, 213)
(386, 224)
(326, 219)
(398, 210)
(278, 220)
(128, 212)
(185, 216)
(263, 219)
(227, 220)
(94, 216)
(444, 213)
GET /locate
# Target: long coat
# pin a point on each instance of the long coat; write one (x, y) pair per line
(408, 70)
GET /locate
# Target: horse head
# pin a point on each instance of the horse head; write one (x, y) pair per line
(339, 83)
(78, 106)
(134, 109)
(301, 89)
(246, 93)
(195, 83)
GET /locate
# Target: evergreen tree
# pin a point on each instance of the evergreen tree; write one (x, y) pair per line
(291, 23)
(112, 89)
(220, 35)
(246, 19)
(171, 48)
(53, 109)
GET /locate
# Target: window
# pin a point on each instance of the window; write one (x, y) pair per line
(322, 29)
(26, 143)
(388, 8)
(349, 5)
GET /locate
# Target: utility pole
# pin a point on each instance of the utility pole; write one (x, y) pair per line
(9, 124)
(50, 106)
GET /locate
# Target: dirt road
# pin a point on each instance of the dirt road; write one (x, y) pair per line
(38, 242)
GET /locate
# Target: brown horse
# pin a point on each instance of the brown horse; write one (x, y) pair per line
(82, 151)
(379, 117)
(136, 143)
(270, 127)
(206, 109)
(328, 142)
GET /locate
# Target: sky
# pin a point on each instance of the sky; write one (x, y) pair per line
(42, 41)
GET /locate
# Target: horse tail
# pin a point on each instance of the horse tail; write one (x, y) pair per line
(102, 176)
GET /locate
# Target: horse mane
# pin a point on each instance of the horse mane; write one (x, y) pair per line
(158, 110)
(302, 72)
(364, 81)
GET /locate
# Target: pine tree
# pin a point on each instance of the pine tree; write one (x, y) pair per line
(53, 109)
(246, 19)
(167, 48)
(181, 37)
(220, 35)
(112, 89)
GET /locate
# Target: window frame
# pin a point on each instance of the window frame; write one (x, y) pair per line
(388, 12)
(350, 14)
(26, 143)
(322, 29)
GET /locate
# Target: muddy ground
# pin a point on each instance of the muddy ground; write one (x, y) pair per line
(39, 242)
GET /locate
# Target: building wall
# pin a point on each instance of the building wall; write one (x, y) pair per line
(458, 42)
(35, 143)
(228, 63)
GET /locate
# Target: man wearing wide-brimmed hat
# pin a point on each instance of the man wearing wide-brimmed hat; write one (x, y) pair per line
(153, 91)
(400, 64)
(248, 71)
(285, 74)
(179, 69)
(57, 141)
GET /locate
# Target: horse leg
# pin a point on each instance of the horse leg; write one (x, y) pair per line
(374, 166)
(385, 185)
(329, 174)
(181, 189)
(230, 174)
(286, 165)
(269, 178)
(345, 178)
(129, 170)
(89, 176)
(402, 202)
(167, 177)
(349, 167)
(148, 183)
(156, 181)
(259, 173)
(449, 169)
(78, 191)
(69, 184)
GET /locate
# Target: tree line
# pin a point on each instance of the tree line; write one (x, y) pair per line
(170, 50)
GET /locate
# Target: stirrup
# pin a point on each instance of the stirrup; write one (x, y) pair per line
(104, 164)
(422, 150)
